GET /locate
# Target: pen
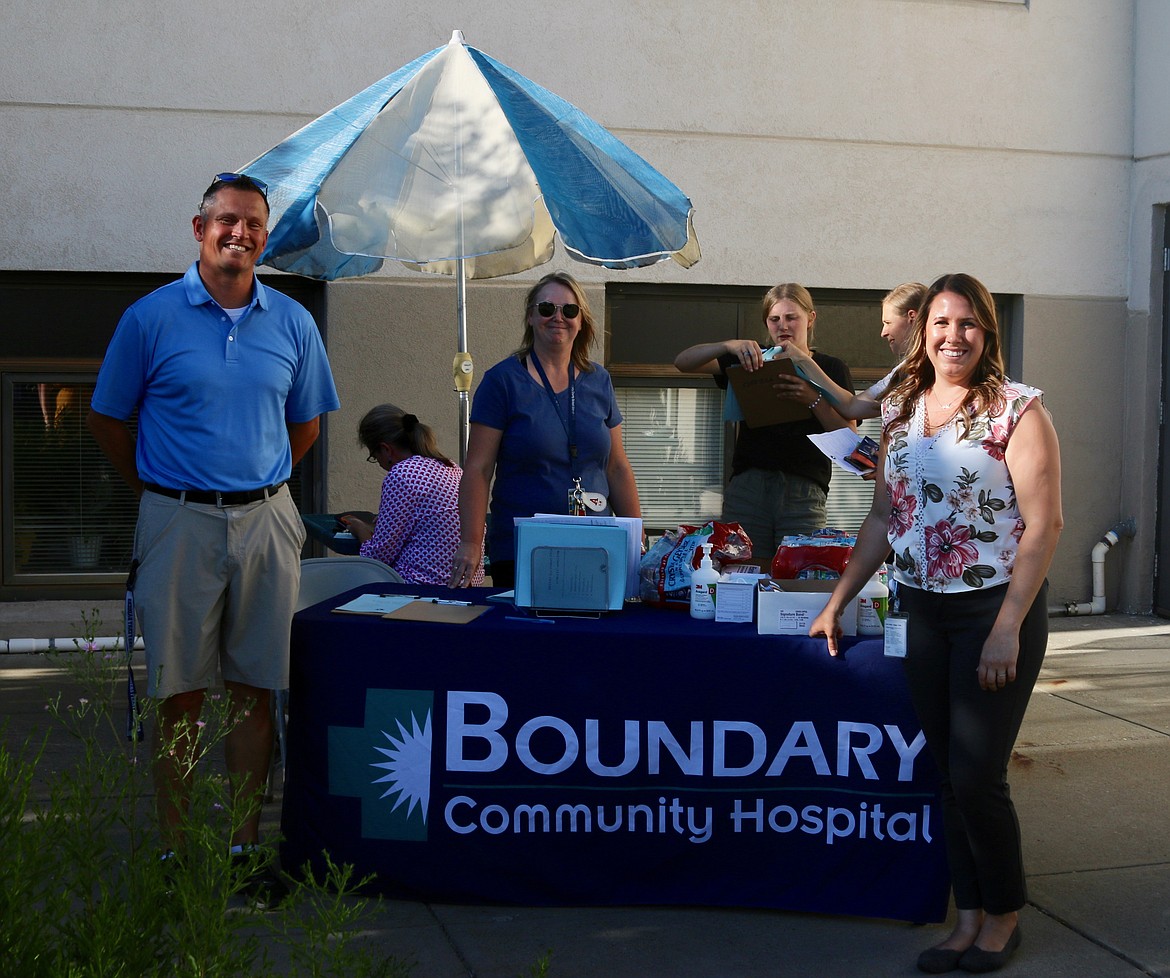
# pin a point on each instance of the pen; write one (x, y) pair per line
(534, 621)
(464, 604)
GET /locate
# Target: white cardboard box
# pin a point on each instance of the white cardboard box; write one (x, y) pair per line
(735, 597)
(791, 611)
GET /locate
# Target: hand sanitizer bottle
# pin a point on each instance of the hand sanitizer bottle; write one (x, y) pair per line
(872, 604)
(703, 583)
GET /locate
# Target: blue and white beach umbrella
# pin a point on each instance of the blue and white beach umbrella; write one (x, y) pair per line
(459, 165)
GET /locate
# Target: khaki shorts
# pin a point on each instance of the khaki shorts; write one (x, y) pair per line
(216, 590)
(771, 506)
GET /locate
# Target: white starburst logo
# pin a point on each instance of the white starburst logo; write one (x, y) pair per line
(409, 765)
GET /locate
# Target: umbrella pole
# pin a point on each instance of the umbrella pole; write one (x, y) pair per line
(462, 370)
(463, 366)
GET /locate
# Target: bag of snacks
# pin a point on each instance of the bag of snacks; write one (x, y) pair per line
(819, 556)
(664, 573)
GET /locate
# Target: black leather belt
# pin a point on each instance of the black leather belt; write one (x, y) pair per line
(215, 497)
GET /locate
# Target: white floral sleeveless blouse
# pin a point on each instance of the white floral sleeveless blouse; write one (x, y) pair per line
(954, 523)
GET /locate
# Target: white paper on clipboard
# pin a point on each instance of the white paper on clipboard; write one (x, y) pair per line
(375, 604)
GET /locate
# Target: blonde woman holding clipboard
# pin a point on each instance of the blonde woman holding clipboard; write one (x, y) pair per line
(779, 479)
(899, 317)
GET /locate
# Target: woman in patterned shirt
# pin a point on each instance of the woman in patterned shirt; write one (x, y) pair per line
(968, 498)
(417, 528)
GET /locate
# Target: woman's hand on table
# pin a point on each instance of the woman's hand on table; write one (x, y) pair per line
(464, 565)
(828, 625)
(361, 530)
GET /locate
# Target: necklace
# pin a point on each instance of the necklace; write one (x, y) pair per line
(931, 428)
(949, 403)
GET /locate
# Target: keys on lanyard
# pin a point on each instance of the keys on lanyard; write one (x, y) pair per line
(577, 499)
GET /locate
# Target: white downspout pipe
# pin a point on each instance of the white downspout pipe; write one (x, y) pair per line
(1126, 528)
(26, 646)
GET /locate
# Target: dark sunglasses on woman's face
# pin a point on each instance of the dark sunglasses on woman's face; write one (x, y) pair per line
(569, 310)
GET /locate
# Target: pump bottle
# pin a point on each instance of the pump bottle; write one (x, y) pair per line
(872, 604)
(703, 583)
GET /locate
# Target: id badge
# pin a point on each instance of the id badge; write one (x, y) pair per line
(582, 502)
(895, 634)
(594, 501)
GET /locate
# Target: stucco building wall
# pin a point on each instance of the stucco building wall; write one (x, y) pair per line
(847, 144)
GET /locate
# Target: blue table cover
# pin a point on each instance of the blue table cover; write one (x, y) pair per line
(641, 758)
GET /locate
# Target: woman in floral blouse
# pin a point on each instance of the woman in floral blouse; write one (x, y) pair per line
(417, 529)
(968, 498)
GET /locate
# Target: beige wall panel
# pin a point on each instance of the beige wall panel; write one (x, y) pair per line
(834, 215)
(395, 341)
(861, 216)
(1151, 107)
(807, 121)
(114, 190)
(1060, 338)
(951, 72)
(937, 72)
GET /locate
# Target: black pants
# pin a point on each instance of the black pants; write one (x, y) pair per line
(971, 733)
(503, 573)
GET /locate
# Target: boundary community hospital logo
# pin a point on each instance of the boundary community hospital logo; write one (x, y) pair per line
(833, 778)
(387, 763)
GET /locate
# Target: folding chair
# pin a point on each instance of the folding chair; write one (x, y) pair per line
(323, 577)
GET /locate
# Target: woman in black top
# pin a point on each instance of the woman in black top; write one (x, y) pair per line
(779, 479)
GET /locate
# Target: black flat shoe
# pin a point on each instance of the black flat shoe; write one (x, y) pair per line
(976, 960)
(939, 960)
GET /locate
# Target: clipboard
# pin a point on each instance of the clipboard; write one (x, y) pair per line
(424, 609)
(559, 566)
(570, 578)
(758, 401)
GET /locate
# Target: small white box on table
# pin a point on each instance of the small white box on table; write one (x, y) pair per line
(791, 610)
(735, 596)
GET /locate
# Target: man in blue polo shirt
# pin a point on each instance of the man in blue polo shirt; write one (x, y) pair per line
(229, 380)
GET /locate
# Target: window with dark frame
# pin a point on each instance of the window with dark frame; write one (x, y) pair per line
(66, 517)
(68, 513)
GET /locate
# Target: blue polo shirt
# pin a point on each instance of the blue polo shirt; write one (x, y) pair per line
(213, 398)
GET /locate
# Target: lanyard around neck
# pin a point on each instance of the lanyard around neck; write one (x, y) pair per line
(570, 423)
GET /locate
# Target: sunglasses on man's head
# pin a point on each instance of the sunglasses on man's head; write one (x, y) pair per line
(570, 310)
(244, 180)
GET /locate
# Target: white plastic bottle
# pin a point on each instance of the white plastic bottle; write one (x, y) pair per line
(872, 604)
(703, 583)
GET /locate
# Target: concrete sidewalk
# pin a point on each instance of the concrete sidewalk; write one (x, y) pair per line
(1091, 779)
